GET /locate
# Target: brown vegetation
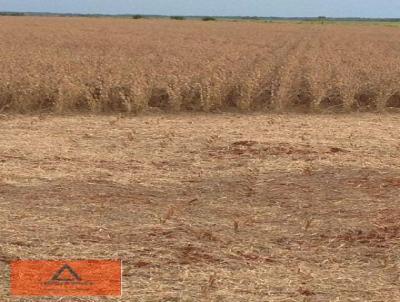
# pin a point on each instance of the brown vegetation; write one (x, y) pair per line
(110, 65)
(202, 207)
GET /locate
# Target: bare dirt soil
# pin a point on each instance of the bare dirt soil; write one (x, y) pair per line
(200, 207)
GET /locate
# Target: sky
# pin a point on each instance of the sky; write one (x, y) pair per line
(279, 8)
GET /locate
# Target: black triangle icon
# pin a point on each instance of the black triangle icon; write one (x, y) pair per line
(66, 268)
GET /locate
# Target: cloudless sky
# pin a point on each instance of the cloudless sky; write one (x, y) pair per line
(280, 8)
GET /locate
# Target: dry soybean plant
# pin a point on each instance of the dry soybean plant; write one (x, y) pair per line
(115, 65)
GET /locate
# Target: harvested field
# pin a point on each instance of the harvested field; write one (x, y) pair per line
(209, 207)
(121, 65)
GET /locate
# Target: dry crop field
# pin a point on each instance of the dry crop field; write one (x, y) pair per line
(249, 203)
(103, 65)
(207, 207)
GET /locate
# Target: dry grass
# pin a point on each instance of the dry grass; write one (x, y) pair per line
(226, 207)
(109, 65)
(209, 207)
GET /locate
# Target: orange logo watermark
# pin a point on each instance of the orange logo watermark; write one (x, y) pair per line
(66, 278)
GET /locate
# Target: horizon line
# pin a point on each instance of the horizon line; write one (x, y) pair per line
(190, 16)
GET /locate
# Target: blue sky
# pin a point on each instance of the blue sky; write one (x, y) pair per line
(284, 8)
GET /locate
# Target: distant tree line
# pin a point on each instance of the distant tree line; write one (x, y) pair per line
(11, 14)
(177, 18)
(208, 19)
(205, 18)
